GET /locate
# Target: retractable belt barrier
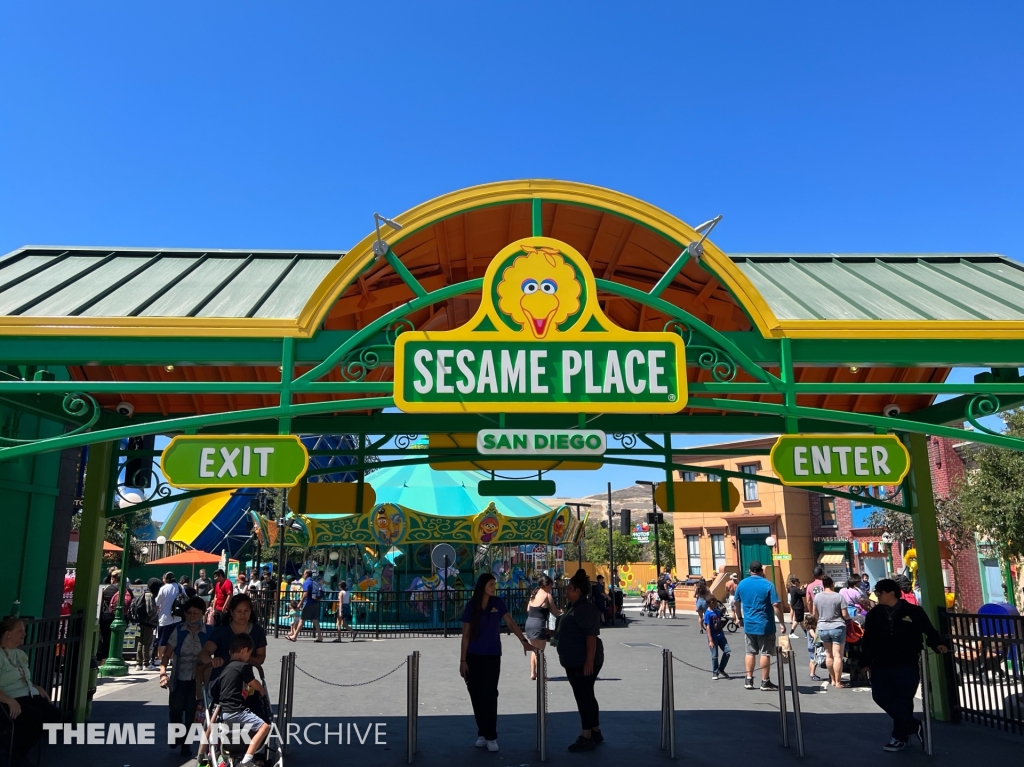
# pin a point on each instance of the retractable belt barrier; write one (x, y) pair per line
(542, 706)
(412, 696)
(668, 705)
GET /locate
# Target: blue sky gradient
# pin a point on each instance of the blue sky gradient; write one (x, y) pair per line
(874, 127)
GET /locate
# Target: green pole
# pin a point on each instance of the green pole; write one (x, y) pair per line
(920, 504)
(99, 491)
(114, 665)
(1011, 592)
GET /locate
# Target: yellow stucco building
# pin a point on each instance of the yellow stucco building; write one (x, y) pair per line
(712, 544)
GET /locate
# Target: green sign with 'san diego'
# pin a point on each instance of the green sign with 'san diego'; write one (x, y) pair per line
(835, 459)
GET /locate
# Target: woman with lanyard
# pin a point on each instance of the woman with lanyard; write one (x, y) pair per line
(581, 654)
(237, 620)
(186, 646)
(480, 661)
(28, 706)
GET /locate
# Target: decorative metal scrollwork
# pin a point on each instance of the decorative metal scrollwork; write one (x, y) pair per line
(396, 328)
(360, 362)
(721, 365)
(77, 405)
(159, 490)
(402, 441)
(886, 494)
(981, 406)
(628, 440)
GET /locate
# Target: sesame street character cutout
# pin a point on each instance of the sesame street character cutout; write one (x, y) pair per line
(488, 528)
(539, 343)
(559, 525)
(539, 290)
(388, 524)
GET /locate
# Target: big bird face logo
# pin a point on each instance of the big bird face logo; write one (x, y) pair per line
(539, 290)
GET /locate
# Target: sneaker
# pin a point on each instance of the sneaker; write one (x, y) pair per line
(582, 744)
(597, 737)
(816, 678)
(792, 635)
(894, 745)
(492, 746)
(714, 677)
(748, 683)
(480, 742)
(723, 675)
(767, 685)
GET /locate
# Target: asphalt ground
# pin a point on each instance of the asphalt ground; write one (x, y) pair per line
(717, 722)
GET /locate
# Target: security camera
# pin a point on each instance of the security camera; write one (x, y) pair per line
(891, 410)
(126, 409)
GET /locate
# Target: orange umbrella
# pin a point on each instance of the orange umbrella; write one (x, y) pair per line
(192, 557)
(110, 548)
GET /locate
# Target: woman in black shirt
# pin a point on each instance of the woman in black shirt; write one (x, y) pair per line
(796, 602)
(581, 654)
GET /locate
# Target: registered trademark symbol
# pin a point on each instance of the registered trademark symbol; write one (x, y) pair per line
(671, 397)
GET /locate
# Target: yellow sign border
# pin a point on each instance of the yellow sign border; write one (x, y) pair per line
(591, 311)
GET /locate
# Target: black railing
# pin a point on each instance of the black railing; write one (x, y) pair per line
(392, 614)
(54, 649)
(986, 666)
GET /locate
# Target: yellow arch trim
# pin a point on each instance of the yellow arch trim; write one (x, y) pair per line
(432, 211)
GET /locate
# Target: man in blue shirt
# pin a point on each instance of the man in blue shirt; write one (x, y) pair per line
(756, 600)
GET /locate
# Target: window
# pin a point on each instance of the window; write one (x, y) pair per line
(688, 476)
(860, 511)
(718, 551)
(693, 554)
(715, 477)
(828, 512)
(750, 485)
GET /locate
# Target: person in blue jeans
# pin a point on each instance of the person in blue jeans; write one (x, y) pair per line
(716, 638)
(756, 600)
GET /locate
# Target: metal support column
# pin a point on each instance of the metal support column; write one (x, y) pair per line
(926, 701)
(920, 504)
(668, 705)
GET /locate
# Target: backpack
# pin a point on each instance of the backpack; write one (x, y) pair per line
(178, 606)
(854, 632)
(315, 590)
(138, 612)
(116, 599)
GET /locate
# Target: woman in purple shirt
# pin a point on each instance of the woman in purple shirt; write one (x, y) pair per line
(480, 662)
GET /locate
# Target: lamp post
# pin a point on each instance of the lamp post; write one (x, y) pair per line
(114, 665)
(654, 518)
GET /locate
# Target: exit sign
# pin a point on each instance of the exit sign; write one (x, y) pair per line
(195, 462)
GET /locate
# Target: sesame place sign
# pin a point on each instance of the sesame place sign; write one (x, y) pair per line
(834, 459)
(539, 343)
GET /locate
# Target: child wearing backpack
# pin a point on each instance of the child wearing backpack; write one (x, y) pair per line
(311, 592)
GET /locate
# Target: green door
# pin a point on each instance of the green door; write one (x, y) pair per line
(752, 547)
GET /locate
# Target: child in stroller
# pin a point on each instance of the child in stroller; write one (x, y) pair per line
(651, 603)
(239, 696)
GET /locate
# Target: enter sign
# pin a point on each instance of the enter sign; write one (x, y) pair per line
(833, 459)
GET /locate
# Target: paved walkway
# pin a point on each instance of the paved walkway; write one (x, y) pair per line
(717, 722)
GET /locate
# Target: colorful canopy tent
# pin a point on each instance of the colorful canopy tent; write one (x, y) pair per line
(193, 557)
(111, 548)
(446, 493)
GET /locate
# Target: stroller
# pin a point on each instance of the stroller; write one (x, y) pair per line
(650, 605)
(231, 754)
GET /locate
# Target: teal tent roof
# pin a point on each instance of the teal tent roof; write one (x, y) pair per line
(445, 493)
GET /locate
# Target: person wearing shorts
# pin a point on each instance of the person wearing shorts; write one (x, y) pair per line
(757, 607)
(344, 614)
(830, 611)
(235, 684)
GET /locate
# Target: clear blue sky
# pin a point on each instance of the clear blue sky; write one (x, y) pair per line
(871, 127)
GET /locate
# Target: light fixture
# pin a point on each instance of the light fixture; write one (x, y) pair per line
(144, 551)
(161, 540)
(334, 556)
(854, 368)
(129, 499)
(380, 248)
(770, 541)
(169, 368)
(696, 249)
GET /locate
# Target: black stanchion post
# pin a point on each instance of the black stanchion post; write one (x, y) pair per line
(796, 703)
(444, 596)
(410, 727)
(542, 706)
(926, 701)
(782, 698)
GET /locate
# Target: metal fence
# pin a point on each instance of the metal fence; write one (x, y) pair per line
(391, 614)
(54, 649)
(987, 663)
